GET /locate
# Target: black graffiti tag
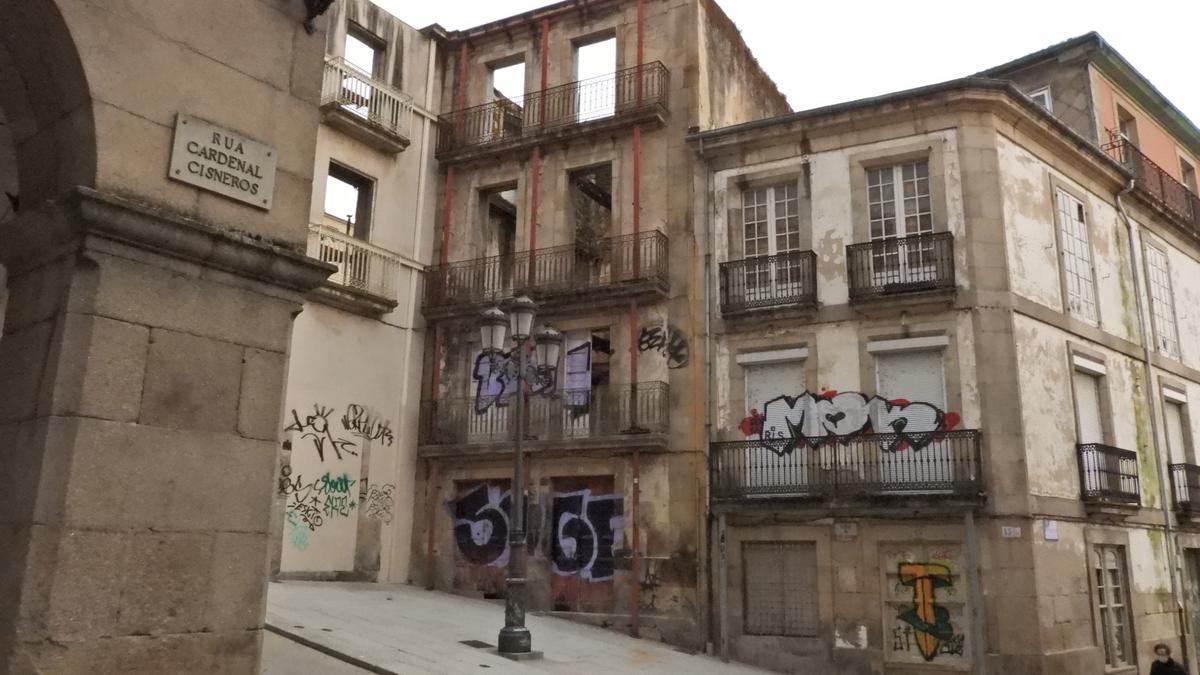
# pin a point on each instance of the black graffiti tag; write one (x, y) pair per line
(584, 532)
(361, 423)
(670, 343)
(381, 499)
(328, 496)
(317, 428)
(481, 524)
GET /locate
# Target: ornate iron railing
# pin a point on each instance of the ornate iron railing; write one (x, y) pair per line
(624, 92)
(780, 280)
(1185, 484)
(543, 272)
(359, 94)
(1108, 474)
(901, 265)
(608, 410)
(1153, 181)
(361, 266)
(859, 466)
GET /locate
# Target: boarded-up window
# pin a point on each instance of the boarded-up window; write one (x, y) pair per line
(780, 588)
(912, 376)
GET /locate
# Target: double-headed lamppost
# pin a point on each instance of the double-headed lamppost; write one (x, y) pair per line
(514, 640)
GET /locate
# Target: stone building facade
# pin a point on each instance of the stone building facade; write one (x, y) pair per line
(951, 372)
(346, 489)
(566, 177)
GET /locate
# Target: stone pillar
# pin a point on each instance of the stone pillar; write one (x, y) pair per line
(142, 362)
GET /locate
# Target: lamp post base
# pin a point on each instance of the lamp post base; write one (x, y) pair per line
(515, 643)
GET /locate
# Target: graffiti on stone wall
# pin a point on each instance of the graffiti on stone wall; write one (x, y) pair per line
(496, 380)
(480, 518)
(666, 340)
(926, 625)
(585, 529)
(310, 504)
(297, 531)
(356, 422)
(380, 501)
(813, 419)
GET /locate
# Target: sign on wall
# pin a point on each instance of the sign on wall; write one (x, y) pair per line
(221, 161)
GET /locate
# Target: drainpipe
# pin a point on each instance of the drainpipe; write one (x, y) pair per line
(636, 600)
(710, 400)
(1163, 496)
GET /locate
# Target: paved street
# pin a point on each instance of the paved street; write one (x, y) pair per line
(401, 629)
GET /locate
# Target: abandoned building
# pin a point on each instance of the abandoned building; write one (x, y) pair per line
(953, 350)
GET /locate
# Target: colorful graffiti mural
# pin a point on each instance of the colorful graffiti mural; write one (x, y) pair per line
(925, 605)
(496, 380)
(814, 419)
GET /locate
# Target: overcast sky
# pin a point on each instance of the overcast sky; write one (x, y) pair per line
(837, 50)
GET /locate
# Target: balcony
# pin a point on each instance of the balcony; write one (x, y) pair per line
(365, 280)
(608, 416)
(629, 96)
(365, 108)
(610, 270)
(1108, 476)
(850, 469)
(1185, 484)
(773, 282)
(886, 268)
(1156, 185)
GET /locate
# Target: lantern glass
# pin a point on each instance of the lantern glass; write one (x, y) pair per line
(493, 325)
(520, 315)
(548, 343)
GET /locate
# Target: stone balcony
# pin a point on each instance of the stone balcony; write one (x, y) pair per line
(365, 108)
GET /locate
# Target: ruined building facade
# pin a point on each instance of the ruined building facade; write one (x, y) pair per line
(953, 358)
(566, 177)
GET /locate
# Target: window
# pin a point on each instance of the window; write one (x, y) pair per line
(506, 88)
(771, 226)
(1175, 423)
(595, 64)
(1162, 302)
(769, 378)
(363, 51)
(1088, 406)
(1112, 602)
(1076, 255)
(1042, 98)
(500, 234)
(590, 206)
(1127, 126)
(911, 375)
(899, 205)
(1188, 173)
(348, 199)
(779, 581)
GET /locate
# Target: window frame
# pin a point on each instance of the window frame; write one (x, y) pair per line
(814, 597)
(1094, 366)
(1043, 92)
(377, 45)
(1163, 315)
(1060, 232)
(360, 229)
(1188, 169)
(1104, 609)
(899, 200)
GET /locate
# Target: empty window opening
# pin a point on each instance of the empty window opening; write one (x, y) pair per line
(595, 66)
(507, 82)
(1127, 126)
(591, 210)
(505, 88)
(1175, 421)
(363, 51)
(1042, 98)
(348, 199)
(500, 230)
(1188, 173)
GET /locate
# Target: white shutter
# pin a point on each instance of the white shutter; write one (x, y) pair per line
(913, 376)
(767, 381)
(1087, 407)
(1173, 414)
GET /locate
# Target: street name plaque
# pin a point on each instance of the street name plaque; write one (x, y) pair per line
(224, 162)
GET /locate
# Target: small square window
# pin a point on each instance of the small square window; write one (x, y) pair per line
(348, 200)
(1042, 98)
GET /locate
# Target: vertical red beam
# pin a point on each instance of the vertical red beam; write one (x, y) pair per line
(535, 163)
(636, 600)
(447, 210)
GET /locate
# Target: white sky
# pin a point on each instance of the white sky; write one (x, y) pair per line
(822, 52)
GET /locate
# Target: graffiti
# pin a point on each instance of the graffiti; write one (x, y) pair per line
(584, 530)
(381, 499)
(904, 640)
(361, 423)
(668, 341)
(927, 623)
(497, 380)
(327, 497)
(813, 419)
(317, 428)
(297, 532)
(481, 524)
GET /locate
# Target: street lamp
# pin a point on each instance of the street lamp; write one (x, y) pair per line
(514, 640)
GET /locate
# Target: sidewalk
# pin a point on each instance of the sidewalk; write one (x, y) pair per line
(405, 630)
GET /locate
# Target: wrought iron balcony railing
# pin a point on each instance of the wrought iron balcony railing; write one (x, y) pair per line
(624, 93)
(857, 467)
(921, 262)
(1108, 474)
(1185, 484)
(773, 281)
(604, 411)
(368, 100)
(611, 263)
(1154, 183)
(361, 266)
